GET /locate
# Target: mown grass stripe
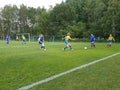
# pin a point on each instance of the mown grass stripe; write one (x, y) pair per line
(66, 72)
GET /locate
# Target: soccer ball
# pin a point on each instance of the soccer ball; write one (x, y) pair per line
(85, 47)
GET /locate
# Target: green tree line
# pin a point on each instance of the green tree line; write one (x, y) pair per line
(79, 17)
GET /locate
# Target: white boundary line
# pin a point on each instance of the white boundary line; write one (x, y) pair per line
(66, 72)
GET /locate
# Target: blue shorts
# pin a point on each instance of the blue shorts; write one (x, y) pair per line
(23, 40)
(40, 42)
(109, 41)
(92, 41)
(66, 42)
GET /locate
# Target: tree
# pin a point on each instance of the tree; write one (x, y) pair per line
(61, 17)
(9, 14)
(23, 19)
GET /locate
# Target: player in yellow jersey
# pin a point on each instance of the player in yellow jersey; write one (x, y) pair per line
(110, 39)
(67, 38)
(23, 39)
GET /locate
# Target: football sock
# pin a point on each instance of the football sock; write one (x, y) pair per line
(65, 47)
(70, 47)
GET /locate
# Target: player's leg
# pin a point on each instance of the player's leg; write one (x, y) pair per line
(43, 46)
(109, 43)
(70, 46)
(66, 42)
(93, 44)
(22, 41)
(66, 47)
(7, 42)
(40, 44)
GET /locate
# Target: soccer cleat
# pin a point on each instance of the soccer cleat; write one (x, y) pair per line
(63, 49)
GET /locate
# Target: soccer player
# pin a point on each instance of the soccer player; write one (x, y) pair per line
(92, 39)
(110, 39)
(23, 39)
(7, 39)
(17, 39)
(41, 41)
(67, 38)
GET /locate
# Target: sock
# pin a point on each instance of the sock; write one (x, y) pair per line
(44, 47)
(70, 47)
(65, 47)
(41, 47)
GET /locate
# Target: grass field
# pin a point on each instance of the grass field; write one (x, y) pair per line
(21, 65)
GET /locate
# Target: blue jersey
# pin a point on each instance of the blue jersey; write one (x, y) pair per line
(92, 38)
(41, 39)
(7, 38)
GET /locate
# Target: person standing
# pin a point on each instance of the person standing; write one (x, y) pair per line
(92, 39)
(41, 41)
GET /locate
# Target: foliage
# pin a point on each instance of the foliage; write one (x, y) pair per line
(61, 17)
(80, 17)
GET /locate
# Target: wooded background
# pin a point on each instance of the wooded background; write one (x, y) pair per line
(79, 17)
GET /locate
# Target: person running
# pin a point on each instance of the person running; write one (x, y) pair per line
(110, 39)
(41, 41)
(92, 39)
(67, 38)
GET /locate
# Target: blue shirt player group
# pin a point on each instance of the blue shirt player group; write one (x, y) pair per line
(92, 39)
(41, 41)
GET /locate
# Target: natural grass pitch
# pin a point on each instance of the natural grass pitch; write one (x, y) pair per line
(21, 65)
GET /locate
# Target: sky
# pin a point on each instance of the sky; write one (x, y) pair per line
(31, 3)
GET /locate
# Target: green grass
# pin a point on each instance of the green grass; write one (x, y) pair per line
(21, 65)
(104, 75)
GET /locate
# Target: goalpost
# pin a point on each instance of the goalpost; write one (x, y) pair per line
(26, 34)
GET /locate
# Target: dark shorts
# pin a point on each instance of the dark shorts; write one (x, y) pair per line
(40, 42)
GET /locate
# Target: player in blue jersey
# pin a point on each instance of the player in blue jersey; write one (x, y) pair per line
(41, 41)
(67, 38)
(92, 39)
(7, 39)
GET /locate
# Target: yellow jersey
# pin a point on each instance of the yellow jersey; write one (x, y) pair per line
(111, 38)
(67, 38)
(23, 37)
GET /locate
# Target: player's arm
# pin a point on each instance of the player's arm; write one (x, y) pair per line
(113, 39)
